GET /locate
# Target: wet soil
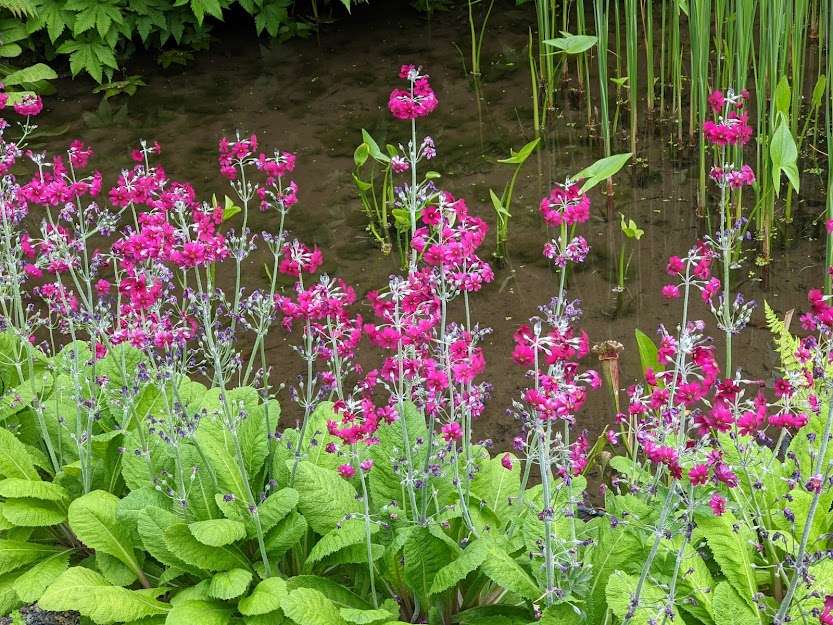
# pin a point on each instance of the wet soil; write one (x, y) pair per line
(314, 98)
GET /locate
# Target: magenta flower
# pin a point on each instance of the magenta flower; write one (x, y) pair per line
(29, 105)
(671, 291)
(717, 504)
(346, 471)
(418, 101)
(506, 462)
(565, 204)
(452, 432)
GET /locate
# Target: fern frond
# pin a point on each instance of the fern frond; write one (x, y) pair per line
(19, 8)
(785, 342)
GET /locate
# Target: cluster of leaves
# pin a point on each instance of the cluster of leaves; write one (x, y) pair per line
(128, 549)
(97, 36)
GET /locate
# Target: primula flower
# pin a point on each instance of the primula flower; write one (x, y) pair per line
(297, 258)
(698, 474)
(452, 432)
(565, 204)
(826, 616)
(506, 462)
(717, 504)
(671, 291)
(346, 471)
(418, 101)
(29, 105)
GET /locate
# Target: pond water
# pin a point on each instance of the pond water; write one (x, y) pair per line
(314, 98)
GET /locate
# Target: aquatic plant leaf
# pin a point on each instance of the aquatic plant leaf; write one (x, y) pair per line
(648, 352)
(601, 170)
(783, 153)
(572, 44)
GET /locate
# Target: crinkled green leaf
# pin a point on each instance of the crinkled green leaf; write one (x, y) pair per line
(495, 485)
(306, 606)
(229, 584)
(33, 512)
(456, 571)
(730, 609)
(14, 459)
(335, 592)
(502, 569)
(88, 593)
(92, 518)
(217, 532)
(732, 550)
(180, 541)
(32, 582)
(266, 597)
(285, 534)
(13, 487)
(350, 532)
(17, 553)
(425, 556)
(324, 498)
(368, 617)
(199, 612)
(274, 509)
(151, 524)
(652, 600)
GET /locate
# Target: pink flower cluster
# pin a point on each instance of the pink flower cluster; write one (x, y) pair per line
(733, 178)
(565, 204)
(731, 127)
(419, 100)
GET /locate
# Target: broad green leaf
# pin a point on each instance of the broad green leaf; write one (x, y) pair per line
(230, 584)
(266, 597)
(88, 593)
(620, 589)
(113, 570)
(151, 524)
(180, 541)
(285, 534)
(783, 95)
(350, 532)
(92, 518)
(613, 550)
(425, 555)
(373, 147)
(32, 583)
(131, 506)
(519, 157)
(17, 553)
(502, 569)
(732, 550)
(601, 170)
(456, 571)
(273, 618)
(495, 485)
(273, 510)
(199, 612)
(342, 597)
(33, 512)
(29, 75)
(217, 445)
(497, 204)
(13, 487)
(648, 352)
(572, 44)
(784, 156)
(730, 609)
(369, 617)
(324, 497)
(217, 532)
(818, 91)
(14, 459)
(306, 606)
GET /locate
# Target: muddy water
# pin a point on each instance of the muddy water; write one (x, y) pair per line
(314, 99)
